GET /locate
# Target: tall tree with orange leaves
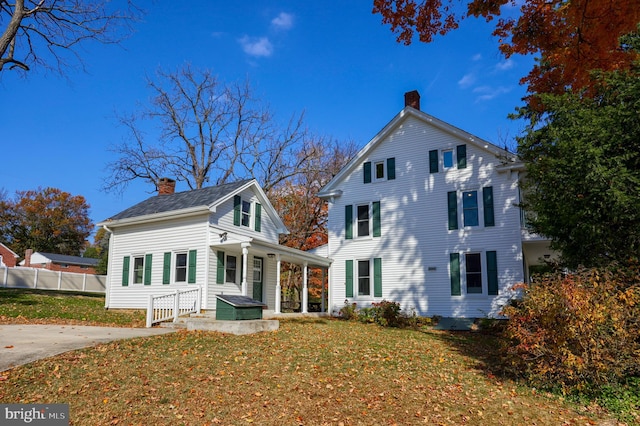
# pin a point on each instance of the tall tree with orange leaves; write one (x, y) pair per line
(48, 220)
(304, 214)
(569, 38)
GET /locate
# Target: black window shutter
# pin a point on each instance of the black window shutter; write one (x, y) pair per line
(454, 269)
(391, 168)
(487, 201)
(237, 202)
(367, 172)
(452, 204)
(348, 222)
(492, 273)
(433, 161)
(461, 153)
(348, 279)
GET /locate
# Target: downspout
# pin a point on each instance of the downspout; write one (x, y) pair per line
(107, 286)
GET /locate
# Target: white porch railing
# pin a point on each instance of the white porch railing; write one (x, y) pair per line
(172, 305)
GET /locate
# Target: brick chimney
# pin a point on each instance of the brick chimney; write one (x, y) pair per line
(27, 257)
(412, 99)
(166, 186)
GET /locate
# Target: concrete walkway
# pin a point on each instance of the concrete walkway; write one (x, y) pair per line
(22, 344)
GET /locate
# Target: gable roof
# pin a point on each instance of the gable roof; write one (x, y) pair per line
(330, 189)
(9, 250)
(196, 201)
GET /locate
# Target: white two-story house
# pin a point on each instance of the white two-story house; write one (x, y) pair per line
(427, 215)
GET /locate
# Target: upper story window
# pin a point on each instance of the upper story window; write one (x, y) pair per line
(367, 220)
(448, 159)
(247, 213)
(470, 208)
(363, 220)
(471, 212)
(379, 170)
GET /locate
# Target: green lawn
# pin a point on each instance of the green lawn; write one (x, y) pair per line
(33, 306)
(309, 372)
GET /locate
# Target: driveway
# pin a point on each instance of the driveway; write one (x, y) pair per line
(24, 343)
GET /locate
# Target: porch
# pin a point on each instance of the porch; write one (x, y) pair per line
(259, 273)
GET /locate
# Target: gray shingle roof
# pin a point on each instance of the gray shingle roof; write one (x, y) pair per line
(179, 200)
(72, 260)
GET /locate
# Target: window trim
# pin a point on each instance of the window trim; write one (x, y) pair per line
(226, 268)
(369, 277)
(133, 268)
(475, 209)
(368, 220)
(453, 159)
(175, 266)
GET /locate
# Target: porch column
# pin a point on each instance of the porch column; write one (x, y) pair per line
(245, 261)
(305, 289)
(278, 286)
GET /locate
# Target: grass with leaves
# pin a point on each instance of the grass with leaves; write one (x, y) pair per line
(28, 306)
(309, 372)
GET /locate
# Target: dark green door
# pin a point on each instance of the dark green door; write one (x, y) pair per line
(257, 278)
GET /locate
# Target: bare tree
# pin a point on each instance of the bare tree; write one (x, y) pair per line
(45, 32)
(209, 132)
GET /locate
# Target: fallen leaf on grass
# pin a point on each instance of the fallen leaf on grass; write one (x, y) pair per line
(9, 347)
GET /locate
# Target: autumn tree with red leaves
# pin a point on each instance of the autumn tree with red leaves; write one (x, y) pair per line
(304, 213)
(47, 220)
(569, 38)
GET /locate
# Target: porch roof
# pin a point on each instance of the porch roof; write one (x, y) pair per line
(268, 249)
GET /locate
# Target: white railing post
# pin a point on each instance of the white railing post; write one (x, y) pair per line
(35, 278)
(150, 312)
(176, 306)
(6, 276)
(198, 300)
(59, 280)
(84, 282)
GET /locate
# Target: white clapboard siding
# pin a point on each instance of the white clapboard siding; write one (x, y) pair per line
(223, 218)
(415, 241)
(177, 235)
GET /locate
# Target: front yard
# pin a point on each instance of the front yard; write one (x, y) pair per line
(310, 372)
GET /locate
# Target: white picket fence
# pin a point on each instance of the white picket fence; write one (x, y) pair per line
(44, 279)
(170, 306)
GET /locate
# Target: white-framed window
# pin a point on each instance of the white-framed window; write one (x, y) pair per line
(231, 269)
(180, 272)
(362, 220)
(364, 277)
(246, 213)
(473, 272)
(447, 159)
(379, 172)
(470, 208)
(138, 269)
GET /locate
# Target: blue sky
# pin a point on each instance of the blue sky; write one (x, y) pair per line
(333, 60)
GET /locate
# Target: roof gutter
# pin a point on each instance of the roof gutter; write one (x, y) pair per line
(155, 217)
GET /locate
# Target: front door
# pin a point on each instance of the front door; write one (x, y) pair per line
(257, 278)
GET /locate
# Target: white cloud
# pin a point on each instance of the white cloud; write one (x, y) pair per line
(467, 81)
(256, 46)
(476, 57)
(486, 93)
(504, 65)
(283, 21)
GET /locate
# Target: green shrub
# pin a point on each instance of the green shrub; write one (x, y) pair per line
(577, 331)
(387, 313)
